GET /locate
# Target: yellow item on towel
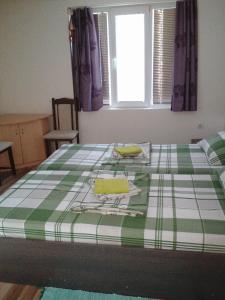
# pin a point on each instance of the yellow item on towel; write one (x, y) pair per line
(128, 150)
(111, 186)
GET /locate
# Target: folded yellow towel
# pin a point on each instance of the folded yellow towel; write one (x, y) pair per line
(128, 150)
(111, 186)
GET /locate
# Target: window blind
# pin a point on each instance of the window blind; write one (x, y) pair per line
(101, 20)
(163, 54)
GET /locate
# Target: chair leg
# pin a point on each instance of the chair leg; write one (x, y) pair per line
(47, 145)
(56, 145)
(11, 159)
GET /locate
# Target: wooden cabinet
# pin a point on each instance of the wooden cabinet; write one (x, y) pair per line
(10, 133)
(26, 132)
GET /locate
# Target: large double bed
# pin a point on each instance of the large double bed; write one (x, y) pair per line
(173, 249)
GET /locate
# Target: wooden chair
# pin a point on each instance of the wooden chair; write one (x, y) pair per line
(7, 146)
(58, 134)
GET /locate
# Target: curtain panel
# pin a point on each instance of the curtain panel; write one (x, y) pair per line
(86, 60)
(184, 96)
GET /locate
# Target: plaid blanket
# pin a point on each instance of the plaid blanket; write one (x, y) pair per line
(183, 212)
(77, 157)
(91, 157)
(179, 159)
(165, 159)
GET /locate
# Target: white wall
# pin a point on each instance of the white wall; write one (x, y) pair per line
(35, 66)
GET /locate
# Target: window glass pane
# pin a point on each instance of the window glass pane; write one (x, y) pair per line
(130, 57)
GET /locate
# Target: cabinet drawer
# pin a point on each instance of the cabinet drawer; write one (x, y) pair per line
(32, 142)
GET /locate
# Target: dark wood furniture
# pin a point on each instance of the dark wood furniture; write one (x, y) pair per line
(155, 273)
(58, 134)
(7, 146)
(195, 140)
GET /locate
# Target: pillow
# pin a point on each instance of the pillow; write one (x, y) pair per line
(214, 148)
(222, 177)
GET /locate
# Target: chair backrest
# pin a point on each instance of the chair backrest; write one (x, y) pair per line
(56, 112)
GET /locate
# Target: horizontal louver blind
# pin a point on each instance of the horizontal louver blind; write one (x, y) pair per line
(102, 28)
(163, 54)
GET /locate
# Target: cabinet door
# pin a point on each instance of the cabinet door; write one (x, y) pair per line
(32, 142)
(10, 133)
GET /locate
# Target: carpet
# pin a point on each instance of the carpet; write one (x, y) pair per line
(63, 294)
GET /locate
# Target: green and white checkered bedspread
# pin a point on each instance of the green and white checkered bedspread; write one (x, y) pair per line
(77, 157)
(165, 159)
(179, 159)
(183, 212)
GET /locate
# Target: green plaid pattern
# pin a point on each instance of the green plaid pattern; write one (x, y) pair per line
(222, 177)
(179, 159)
(91, 157)
(164, 159)
(183, 212)
(214, 147)
(76, 157)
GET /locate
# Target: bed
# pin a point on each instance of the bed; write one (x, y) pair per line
(165, 159)
(175, 250)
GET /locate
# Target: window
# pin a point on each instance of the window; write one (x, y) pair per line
(137, 54)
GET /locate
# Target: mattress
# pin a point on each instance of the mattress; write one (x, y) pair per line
(182, 212)
(165, 159)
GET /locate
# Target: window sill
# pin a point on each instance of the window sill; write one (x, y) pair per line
(152, 107)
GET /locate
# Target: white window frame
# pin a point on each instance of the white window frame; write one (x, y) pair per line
(147, 10)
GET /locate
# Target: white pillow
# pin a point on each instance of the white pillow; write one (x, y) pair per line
(222, 177)
(214, 148)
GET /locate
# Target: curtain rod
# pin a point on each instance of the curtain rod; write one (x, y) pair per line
(70, 9)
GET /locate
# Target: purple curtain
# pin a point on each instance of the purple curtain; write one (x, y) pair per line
(184, 97)
(86, 60)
